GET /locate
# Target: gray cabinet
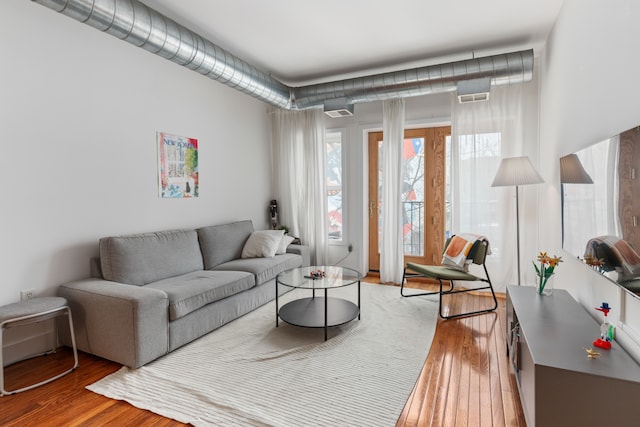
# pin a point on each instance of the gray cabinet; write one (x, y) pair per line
(559, 385)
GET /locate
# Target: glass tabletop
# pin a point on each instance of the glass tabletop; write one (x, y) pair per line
(318, 277)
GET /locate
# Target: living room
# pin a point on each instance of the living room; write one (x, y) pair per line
(93, 105)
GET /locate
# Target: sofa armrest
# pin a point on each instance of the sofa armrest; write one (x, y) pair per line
(301, 250)
(123, 323)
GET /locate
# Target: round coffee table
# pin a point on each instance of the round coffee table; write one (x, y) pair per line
(322, 311)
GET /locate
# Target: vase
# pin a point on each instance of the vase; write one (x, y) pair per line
(545, 285)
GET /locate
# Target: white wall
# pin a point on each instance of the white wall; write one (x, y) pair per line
(589, 91)
(79, 111)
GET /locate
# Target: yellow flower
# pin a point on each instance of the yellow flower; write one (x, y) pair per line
(593, 261)
(543, 257)
(546, 269)
(555, 261)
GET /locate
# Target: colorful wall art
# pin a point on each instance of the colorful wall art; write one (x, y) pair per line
(177, 166)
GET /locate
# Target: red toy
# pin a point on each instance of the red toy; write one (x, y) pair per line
(606, 330)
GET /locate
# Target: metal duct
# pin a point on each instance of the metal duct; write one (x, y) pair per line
(501, 69)
(138, 24)
(134, 22)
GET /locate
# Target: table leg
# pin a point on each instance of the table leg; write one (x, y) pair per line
(358, 299)
(277, 302)
(325, 314)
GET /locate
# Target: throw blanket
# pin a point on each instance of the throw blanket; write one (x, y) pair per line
(460, 251)
(616, 254)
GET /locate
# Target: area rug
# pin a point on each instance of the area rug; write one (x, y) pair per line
(250, 373)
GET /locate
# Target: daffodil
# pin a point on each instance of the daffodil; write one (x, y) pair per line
(547, 267)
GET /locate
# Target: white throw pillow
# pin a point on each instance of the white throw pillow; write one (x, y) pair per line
(284, 242)
(262, 244)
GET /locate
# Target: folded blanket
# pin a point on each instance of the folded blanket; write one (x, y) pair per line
(460, 252)
(616, 254)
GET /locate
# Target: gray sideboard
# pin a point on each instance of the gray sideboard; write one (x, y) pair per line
(559, 385)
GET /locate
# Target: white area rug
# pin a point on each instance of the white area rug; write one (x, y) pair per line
(250, 373)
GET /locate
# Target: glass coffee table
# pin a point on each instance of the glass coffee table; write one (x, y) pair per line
(321, 311)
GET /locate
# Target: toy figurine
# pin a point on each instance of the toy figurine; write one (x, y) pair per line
(606, 329)
(316, 274)
(273, 214)
(591, 353)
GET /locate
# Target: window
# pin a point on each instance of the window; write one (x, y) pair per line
(334, 184)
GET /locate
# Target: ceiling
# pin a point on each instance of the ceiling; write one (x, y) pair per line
(304, 42)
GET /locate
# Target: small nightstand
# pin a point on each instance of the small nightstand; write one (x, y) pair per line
(33, 311)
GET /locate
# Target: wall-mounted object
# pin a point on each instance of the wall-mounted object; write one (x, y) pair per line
(608, 204)
(177, 166)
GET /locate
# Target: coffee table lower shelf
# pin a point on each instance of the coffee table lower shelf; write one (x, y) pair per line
(310, 312)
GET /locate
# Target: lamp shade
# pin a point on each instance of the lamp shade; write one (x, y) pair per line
(516, 171)
(572, 171)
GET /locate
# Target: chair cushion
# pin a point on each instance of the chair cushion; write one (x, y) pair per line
(222, 243)
(441, 272)
(264, 269)
(191, 291)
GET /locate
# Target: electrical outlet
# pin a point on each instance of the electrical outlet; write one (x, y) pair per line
(27, 294)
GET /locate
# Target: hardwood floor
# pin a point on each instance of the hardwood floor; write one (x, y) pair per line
(66, 402)
(466, 381)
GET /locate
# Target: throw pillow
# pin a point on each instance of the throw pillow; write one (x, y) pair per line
(262, 244)
(284, 242)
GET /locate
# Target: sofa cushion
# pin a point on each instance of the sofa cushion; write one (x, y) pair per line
(191, 291)
(284, 244)
(138, 259)
(262, 244)
(222, 243)
(264, 269)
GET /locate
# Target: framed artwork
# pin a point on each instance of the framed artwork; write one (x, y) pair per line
(177, 166)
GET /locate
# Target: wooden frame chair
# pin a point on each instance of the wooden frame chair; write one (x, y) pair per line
(477, 254)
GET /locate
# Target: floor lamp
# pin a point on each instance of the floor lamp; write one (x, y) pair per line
(516, 171)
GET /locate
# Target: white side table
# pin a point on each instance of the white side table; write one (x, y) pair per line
(33, 311)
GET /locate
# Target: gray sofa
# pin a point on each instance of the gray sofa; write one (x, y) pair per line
(155, 292)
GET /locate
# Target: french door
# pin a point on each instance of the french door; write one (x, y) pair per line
(423, 195)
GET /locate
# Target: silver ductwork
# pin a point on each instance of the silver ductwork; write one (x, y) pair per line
(501, 69)
(138, 24)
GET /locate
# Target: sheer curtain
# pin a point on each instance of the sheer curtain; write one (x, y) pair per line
(482, 134)
(299, 159)
(391, 249)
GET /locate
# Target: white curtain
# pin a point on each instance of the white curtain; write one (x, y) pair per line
(482, 134)
(299, 159)
(391, 250)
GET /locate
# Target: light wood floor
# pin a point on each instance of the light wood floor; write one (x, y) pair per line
(466, 381)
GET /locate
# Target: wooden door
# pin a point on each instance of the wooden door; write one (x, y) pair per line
(423, 195)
